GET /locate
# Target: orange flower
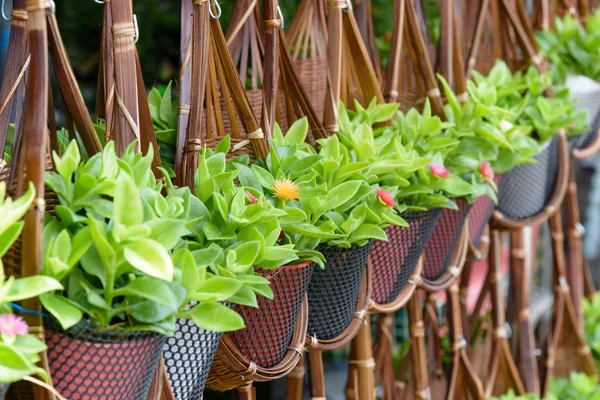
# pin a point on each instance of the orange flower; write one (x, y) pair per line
(385, 197)
(286, 189)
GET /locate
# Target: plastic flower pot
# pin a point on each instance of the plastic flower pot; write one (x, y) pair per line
(442, 243)
(526, 189)
(394, 261)
(333, 291)
(188, 356)
(87, 363)
(587, 93)
(480, 214)
(269, 328)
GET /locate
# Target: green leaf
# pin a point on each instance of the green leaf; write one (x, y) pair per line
(67, 314)
(216, 289)
(151, 258)
(296, 134)
(245, 296)
(150, 289)
(13, 364)
(366, 232)
(127, 202)
(167, 232)
(247, 252)
(26, 288)
(214, 317)
(8, 237)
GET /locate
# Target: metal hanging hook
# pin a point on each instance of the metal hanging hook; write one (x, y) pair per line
(348, 5)
(137, 29)
(4, 15)
(280, 18)
(218, 7)
(99, 1)
(52, 6)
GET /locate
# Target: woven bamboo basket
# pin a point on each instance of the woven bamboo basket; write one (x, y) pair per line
(35, 28)
(265, 59)
(272, 342)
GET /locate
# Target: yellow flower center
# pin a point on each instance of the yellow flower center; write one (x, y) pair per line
(286, 189)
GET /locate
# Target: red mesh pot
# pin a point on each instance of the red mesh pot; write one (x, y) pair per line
(440, 247)
(480, 214)
(269, 328)
(90, 364)
(394, 261)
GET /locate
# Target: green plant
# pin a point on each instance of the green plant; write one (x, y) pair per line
(572, 48)
(165, 113)
(120, 249)
(529, 111)
(431, 138)
(579, 386)
(334, 194)
(591, 327)
(18, 349)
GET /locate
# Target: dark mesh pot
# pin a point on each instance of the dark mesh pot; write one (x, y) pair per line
(188, 356)
(526, 189)
(87, 363)
(480, 214)
(443, 241)
(394, 261)
(587, 94)
(333, 291)
(3, 390)
(270, 327)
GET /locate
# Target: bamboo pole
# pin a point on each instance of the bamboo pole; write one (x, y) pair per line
(36, 117)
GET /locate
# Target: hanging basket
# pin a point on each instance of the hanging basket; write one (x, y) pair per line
(587, 92)
(188, 356)
(333, 291)
(270, 344)
(526, 189)
(480, 214)
(445, 249)
(87, 363)
(269, 327)
(394, 262)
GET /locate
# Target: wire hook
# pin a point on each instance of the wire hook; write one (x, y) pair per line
(99, 1)
(4, 15)
(280, 18)
(348, 5)
(52, 6)
(218, 7)
(137, 30)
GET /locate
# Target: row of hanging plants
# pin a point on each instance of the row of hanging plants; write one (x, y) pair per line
(130, 259)
(125, 255)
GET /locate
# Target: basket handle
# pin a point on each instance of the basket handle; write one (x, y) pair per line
(15, 70)
(69, 88)
(344, 37)
(34, 152)
(185, 83)
(212, 69)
